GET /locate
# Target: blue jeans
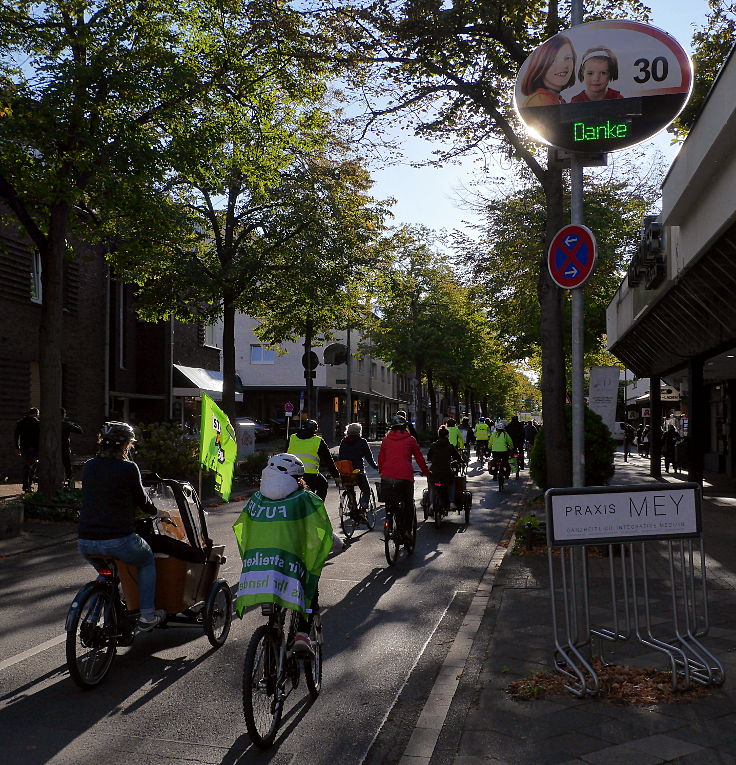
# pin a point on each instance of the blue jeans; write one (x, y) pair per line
(135, 551)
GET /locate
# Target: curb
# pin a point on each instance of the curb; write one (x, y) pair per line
(426, 733)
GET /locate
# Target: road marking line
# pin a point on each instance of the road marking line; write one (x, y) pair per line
(32, 652)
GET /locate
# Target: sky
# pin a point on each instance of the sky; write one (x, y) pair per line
(428, 195)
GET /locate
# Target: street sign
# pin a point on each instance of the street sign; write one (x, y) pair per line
(571, 256)
(603, 86)
(311, 361)
(634, 513)
(288, 409)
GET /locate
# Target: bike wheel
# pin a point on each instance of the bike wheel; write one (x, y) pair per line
(92, 638)
(348, 511)
(467, 501)
(218, 613)
(500, 477)
(438, 511)
(313, 669)
(262, 706)
(371, 511)
(390, 539)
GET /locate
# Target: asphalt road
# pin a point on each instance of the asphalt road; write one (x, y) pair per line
(172, 698)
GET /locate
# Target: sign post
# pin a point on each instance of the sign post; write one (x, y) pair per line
(288, 412)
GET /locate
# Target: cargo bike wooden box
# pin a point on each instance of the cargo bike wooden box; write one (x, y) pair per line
(104, 613)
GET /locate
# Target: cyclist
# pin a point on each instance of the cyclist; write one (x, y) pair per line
(445, 458)
(516, 430)
(355, 448)
(467, 433)
(455, 435)
(111, 493)
(501, 446)
(409, 426)
(284, 536)
(482, 433)
(312, 451)
(395, 465)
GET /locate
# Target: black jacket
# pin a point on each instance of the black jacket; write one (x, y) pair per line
(356, 449)
(442, 454)
(27, 433)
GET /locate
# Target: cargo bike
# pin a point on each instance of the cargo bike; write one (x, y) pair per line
(440, 507)
(104, 613)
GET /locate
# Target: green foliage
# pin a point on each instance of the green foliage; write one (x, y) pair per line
(166, 449)
(63, 505)
(711, 45)
(253, 464)
(599, 450)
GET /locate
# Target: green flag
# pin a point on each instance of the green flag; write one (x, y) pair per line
(218, 447)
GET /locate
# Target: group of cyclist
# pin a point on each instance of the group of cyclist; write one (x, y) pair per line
(112, 491)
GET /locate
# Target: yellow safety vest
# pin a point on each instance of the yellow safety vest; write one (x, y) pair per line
(482, 431)
(501, 442)
(456, 437)
(307, 449)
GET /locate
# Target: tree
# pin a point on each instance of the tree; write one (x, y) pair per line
(451, 68)
(503, 256)
(87, 88)
(326, 268)
(711, 45)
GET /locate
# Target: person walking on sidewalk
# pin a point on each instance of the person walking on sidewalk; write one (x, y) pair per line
(67, 428)
(27, 438)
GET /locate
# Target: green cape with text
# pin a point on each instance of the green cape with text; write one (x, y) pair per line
(284, 544)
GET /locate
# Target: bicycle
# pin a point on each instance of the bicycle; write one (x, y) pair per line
(352, 516)
(481, 450)
(394, 537)
(497, 467)
(271, 672)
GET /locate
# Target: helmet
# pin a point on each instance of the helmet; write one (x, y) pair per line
(500, 425)
(481, 419)
(451, 422)
(398, 420)
(117, 432)
(310, 426)
(286, 463)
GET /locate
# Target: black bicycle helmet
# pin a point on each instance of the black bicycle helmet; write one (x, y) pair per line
(311, 426)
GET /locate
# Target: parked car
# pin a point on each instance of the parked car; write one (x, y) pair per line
(263, 431)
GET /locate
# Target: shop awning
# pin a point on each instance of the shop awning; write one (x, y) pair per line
(194, 381)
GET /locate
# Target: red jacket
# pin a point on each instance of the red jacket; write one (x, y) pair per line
(394, 457)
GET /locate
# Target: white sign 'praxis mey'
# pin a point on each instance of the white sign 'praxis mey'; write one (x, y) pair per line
(623, 514)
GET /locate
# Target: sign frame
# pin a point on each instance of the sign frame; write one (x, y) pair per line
(555, 532)
(559, 242)
(603, 86)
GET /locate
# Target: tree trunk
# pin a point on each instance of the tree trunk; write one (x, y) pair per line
(51, 471)
(418, 396)
(432, 402)
(228, 360)
(552, 382)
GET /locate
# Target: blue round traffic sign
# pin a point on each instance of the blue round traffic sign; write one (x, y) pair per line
(571, 256)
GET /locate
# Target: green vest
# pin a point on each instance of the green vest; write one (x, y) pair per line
(501, 442)
(456, 438)
(482, 431)
(307, 449)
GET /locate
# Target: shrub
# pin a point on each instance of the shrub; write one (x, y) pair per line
(62, 506)
(253, 464)
(599, 450)
(168, 450)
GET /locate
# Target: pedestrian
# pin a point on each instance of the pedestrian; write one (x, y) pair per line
(27, 438)
(67, 428)
(516, 430)
(645, 435)
(670, 439)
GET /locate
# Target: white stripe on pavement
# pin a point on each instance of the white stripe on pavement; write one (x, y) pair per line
(32, 652)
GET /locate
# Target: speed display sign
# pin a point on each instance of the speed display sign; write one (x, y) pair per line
(603, 86)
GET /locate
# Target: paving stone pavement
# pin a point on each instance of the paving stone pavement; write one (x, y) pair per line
(485, 725)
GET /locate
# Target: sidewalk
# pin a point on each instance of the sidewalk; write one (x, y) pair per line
(484, 724)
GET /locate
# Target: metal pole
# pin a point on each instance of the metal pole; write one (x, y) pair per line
(348, 383)
(577, 218)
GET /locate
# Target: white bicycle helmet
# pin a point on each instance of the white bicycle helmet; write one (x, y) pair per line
(500, 425)
(117, 432)
(286, 463)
